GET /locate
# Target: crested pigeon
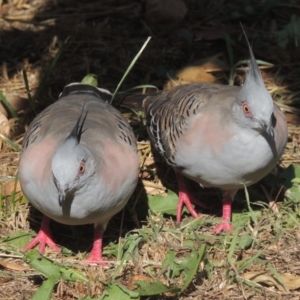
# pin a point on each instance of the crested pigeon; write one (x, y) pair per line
(79, 164)
(220, 136)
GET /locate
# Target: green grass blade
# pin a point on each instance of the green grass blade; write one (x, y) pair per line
(252, 213)
(248, 262)
(10, 143)
(8, 106)
(129, 68)
(31, 102)
(234, 241)
(276, 276)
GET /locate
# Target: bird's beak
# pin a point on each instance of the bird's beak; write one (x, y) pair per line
(267, 127)
(62, 191)
(61, 196)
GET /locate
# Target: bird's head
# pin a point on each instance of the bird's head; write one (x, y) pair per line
(254, 106)
(72, 164)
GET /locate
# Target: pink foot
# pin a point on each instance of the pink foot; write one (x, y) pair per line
(186, 198)
(95, 257)
(225, 225)
(43, 237)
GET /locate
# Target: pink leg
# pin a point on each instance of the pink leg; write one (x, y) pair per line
(43, 237)
(225, 225)
(186, 198)
(95, 256)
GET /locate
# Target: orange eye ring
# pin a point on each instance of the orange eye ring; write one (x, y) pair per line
(81, 168)
(246, 109)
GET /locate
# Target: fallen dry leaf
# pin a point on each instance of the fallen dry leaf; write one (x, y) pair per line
(199, 71)
(9, 186)
(265, 278)
(292, 118)
(291, 281)
(13, 266)
(131, 283)
(195, 74)
(5, 279)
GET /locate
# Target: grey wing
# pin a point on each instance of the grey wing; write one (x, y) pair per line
(125, 131)
(39, 126)
(168, 115)
(33, 130)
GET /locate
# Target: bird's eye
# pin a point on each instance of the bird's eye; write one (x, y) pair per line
(246, 109)
(81, 168)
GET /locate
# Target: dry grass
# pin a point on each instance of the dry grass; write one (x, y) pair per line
(103, 37)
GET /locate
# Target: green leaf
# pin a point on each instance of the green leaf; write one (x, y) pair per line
(245, 241)
(169, 265)
(187, 268)
(288, 175)
(119, 292)
(128, 250)
(91, 79)
(155, 287)
(243, 218)
(290, 179)
(164, 204)
(50, 269)
(18, 239)
(296, 180)
(72, 275)
(169, 260)
(191, 264)
(45, 290)
(42, 264)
